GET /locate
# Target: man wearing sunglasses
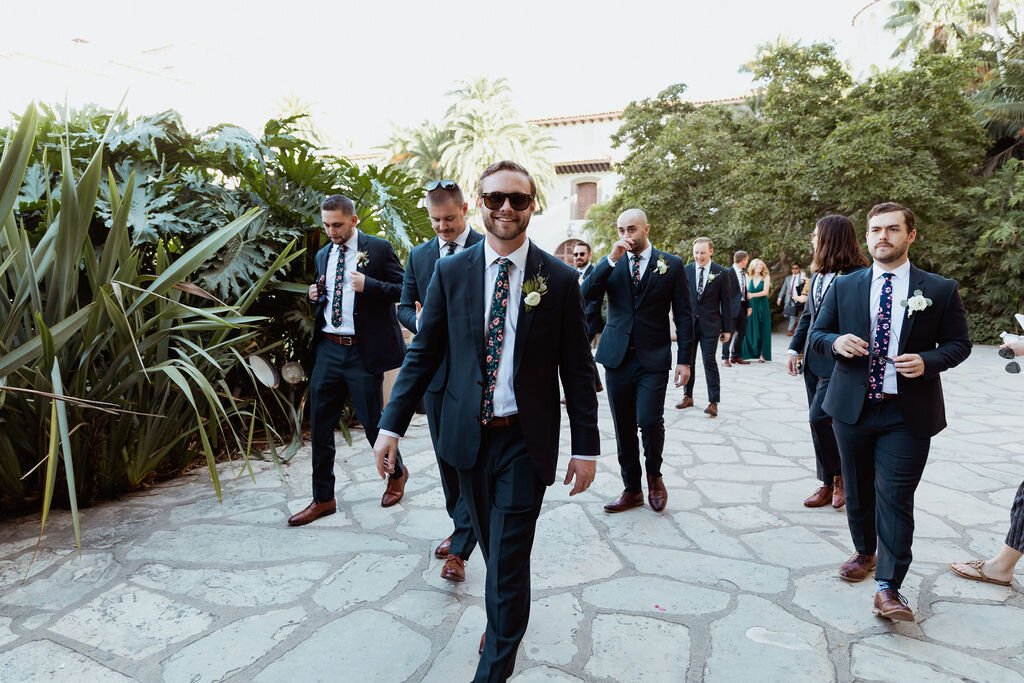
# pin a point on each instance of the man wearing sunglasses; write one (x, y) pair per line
(447, 209)
(642, 285)
(356, 339)
(581, 253)
(509, 319)
(892, 329)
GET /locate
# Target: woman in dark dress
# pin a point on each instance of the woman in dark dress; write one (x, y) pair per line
(758, 341)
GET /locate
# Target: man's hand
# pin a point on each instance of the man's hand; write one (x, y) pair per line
(850, 346)
(800, 298)
(385, 450)
(619, 249)
(725, 337)
(314, 292)
(358, 280)
(682, 375)
(583, 471)
(1017, 346)
(791, 362)
(909, 365)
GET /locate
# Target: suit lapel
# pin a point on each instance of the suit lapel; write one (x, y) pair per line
(361, 246)
(525, 321)
(321, 260)
(863, 296)
(916, 282)
(475, 267)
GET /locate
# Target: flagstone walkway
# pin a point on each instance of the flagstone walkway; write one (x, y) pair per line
(735, 582)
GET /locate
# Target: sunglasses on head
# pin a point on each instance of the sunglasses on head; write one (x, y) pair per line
(443, 184)
(1013, 367)
(517, 200)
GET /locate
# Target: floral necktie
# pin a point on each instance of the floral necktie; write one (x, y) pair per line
(495, 338)
(636, 269)
(700, 282)
(880, 345)
(451, 248)
(819, 285)
(339, 286)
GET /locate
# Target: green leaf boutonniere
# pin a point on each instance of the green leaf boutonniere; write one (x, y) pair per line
(362, 259)
(662, 266)
(533, 289)
(918, 302)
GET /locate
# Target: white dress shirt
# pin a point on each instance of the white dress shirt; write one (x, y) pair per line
(348, 295)
(900, 290)
(460, 241)
(645, 260)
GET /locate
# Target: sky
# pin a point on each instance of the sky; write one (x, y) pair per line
(363, 68)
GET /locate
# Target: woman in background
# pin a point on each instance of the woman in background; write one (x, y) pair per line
(758, 341)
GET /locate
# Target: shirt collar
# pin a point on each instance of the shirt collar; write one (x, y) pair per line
(461, 239)
(517, 257)
(901, 273)
(645, 255)
(352, 243)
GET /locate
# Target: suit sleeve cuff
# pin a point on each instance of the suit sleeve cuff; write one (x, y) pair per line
(609, 260)
(387, 433)
(586, 457)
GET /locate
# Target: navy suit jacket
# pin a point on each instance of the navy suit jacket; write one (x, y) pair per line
(713, 308)
(737, 302)
(551, 343)
(643, 321)
(592, 309)
(938, 334)
(821, 365)
(381, 346)
(418, 271)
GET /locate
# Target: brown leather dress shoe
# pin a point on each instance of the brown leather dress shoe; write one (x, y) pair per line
(625, 502)
(838, 495)
(313, 511)
(657, 495)
(741, 361)
(726, 362)
(454, 569)
(441, 551)
(712, 409)
(822, 496)
(685, 402)
(395, 489)
(483, 641)
(889, 603)
(857, 568)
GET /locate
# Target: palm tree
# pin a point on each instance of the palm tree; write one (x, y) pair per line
(937, 25)
(418, 150)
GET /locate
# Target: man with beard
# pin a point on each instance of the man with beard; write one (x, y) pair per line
(642, 284)
(892, 329)
(581, 253)
(509, 319)
(447, 209)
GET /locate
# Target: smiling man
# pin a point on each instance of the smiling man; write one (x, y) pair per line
(508, 317)
(892, 329)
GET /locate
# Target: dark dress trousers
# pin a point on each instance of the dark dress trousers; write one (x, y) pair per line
(884, 446)
(356, 370)
(712, 316)
(817, 371)
(418, 271)
(503, 470)
(636, 352)
(739, 304)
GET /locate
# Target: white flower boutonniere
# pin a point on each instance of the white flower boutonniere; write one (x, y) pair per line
(533, 289)
(362, 259)
(662, 266)
(918, 302)
(712, 276)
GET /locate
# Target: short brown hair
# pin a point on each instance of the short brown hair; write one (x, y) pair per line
(887, 207)
(506, 165)
(583, 244)
(838, 247)
(739, 256)
(440, 195)
(706, 240)
(338, 202)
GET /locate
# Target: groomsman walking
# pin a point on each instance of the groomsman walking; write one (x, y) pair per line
(581, 254)
(447, 209)
(893, 328)
(711, 302)
(642, 285)
(356, 339)
(509, 319)
(740, 304)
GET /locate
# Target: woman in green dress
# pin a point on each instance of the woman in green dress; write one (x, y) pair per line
(758, 341)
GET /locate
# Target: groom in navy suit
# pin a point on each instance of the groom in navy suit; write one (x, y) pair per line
(893, 328)
(642, 284)
(447, 209)
(508, 317)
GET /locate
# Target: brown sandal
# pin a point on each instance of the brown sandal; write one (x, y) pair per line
(976, 565)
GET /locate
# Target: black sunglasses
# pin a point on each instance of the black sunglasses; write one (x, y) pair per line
(517, 200)
(1013, 367)
(443, 184)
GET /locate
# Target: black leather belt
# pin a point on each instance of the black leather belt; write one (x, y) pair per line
(342, 339)
(505, 421)
(890, 397)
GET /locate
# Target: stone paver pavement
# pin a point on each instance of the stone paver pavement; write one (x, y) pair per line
(735, 582)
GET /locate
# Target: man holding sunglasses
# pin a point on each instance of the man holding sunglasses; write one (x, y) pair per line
(892, 329)
(642, 284)
(509, 319)
(447, 209)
